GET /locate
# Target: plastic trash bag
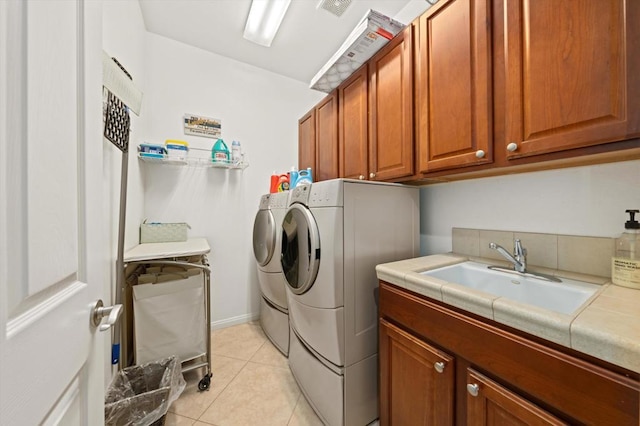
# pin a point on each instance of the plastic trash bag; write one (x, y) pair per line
(141, 395)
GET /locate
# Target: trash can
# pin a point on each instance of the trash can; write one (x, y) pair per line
(141, 395)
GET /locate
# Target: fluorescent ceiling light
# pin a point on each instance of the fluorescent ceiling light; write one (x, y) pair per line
(264, 20)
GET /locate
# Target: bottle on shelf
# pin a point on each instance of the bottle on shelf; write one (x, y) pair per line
(236, 152)
(220, 152)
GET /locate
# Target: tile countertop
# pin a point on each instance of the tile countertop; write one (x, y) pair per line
(607, 326)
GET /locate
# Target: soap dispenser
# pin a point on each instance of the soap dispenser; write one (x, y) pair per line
(625, 266)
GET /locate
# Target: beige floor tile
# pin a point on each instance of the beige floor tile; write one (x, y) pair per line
(240, 341)
(303, 414)
(173, 419)
(259, 395)
(192, 403)
(269, 355)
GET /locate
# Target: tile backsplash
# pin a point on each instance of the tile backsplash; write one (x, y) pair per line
(584, 255)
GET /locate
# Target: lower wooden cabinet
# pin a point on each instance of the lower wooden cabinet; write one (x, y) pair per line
(442, 366)
(418, 380)
(489, 403)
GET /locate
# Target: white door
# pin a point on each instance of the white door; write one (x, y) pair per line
(53, 257)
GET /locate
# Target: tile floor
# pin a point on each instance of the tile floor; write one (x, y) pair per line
(251, 385)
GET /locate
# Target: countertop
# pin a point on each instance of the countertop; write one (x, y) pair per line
(607, 326)
(148, 251)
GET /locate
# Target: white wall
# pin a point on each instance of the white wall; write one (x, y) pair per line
(589, 201)
(256, 107)
(123, 34)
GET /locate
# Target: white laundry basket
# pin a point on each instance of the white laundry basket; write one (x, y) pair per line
(169, 319)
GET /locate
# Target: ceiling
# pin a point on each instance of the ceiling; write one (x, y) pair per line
(306, 40)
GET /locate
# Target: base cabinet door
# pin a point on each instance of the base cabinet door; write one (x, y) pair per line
(416, 380)
(488, 403)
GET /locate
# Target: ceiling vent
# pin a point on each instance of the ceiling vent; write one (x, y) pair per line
(337, 7)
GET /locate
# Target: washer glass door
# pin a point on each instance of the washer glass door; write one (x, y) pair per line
(264, 236)
(300, 255)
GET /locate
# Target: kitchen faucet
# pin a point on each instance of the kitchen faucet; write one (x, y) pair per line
(519, 260)
(519, 257)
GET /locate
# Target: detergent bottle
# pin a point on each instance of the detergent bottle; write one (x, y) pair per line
(220, 152)
(305, 177)
(293, 177)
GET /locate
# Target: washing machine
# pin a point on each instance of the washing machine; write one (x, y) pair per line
(333, 235)
(274, 316)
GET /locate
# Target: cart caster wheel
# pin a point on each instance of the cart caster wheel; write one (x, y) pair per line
(205, 383)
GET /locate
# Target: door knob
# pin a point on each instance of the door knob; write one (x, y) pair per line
(439, 366)
(361, 177)
(372, 175)
(473, 389)
(512, 147)
(99, 311)
(480, 153)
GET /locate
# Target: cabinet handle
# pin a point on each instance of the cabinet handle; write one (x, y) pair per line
(512, 147)
(473, 389)
(372, 175)
(361, 177)
(439, 366)
(480, 153)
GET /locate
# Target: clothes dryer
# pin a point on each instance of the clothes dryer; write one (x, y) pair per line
(274, 317)
(333, 235)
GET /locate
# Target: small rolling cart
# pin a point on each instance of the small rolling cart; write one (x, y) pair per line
(177, 265)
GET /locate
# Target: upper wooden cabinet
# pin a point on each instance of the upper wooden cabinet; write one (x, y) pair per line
(353, 141)
(327, 166)
(391, 109)
(307, 141)
(571, 74)
(453, 92)
(318, 139)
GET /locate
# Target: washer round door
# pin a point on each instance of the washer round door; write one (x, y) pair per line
(300, 256)
(264, 236)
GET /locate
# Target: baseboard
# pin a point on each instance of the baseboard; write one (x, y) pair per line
(240, 319)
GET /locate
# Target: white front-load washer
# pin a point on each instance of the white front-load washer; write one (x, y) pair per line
(333, 235)
(274, 317)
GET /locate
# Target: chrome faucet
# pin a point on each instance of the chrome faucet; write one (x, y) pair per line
(519, 257)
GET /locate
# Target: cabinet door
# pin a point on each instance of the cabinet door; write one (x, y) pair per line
(416, 380)
(352, 125)
(307, 141)
(327, 166)
(454, 99)
(488, 403)
(572, 74)
(391, 109)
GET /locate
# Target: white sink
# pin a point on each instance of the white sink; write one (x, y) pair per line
(564, 297)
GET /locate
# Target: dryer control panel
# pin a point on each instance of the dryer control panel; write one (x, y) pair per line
(300, 194)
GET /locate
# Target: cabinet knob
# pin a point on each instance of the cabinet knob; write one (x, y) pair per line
(473, 389)
(372, 175)
(439, 366)
(512, 147)
(480, 153)
(361, 177)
